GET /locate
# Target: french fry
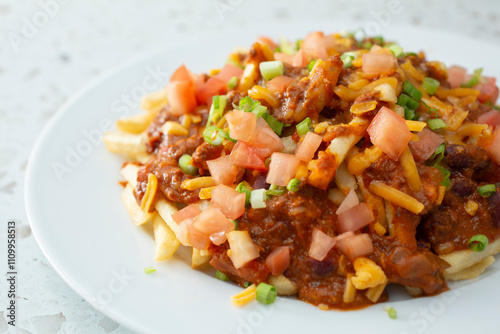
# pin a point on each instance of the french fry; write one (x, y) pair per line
(135, 124)
(166, 209)
(283, 285)
(374, 293)
(463, 259)
(340, 146)
(336, 196)
(349, 291)
(375, 202)
(154, 102)
(344, 180)
(125, 143)
(165, 241)
(129, 172)
(138, 216)
(471, 272)
(199, 257)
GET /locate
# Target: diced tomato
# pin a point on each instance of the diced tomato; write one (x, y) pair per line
(308, 146)
(321, 244)
(211, 221)
(218, 238)
(182, 232)
(279, 83)
(241, 124)
(283, 57)
(355, 246)
(426, 145)
(282, 169)
(279, 260)
(228, 71)
(183, 74)
(180, 95)
(189, 212)
(266, 40)
(317, 45)
(492, 146)
(213, 86)
(350, 201)
(355, 218)
(300, 59)
(230, 202)
(196, 238)
(223, 170)
(389, 132)
(488, 90)
(264, 140)
(456, 76)
(242, 248)
(245, 156)
(492, 118)
(379, 63)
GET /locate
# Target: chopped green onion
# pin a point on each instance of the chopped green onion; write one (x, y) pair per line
(232, 83)
(391, 312)
(405, 100)
(297, 44)
(185, 165)
(410, 54)
(259, 110)
(436, 123)
(149, 270)
(367, 45)
(271, 69)
(347, 60)
(286, 47)
(213, 135)
(396, 50)
(311, 65)
(275, 190)
(410, 114)
(446, 175)
(217, 109)
(304, 127)
(478, 243)
(244, 187)
(274, 124)
(235, 63)
(258, 198)
(476, 78)
(247, 284)
(228, 137)
(439, 154)
(247, 103)
(267, 162)
(409, 89)
(265, 293)
(430, 85)
(378, 39)
(293, 185)
(236, 224)
(220, 275)
(487, 190)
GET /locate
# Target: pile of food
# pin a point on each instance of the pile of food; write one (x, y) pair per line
(326, 168)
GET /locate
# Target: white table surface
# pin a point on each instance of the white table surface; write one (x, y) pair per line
(82, 39)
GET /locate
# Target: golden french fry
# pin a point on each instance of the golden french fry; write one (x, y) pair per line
(154, 102)
(125, 143)
(349, 291)
(344, 180)
(463, 259)
(340, 146)
(165, 241)
(283, 285)
(166, 209)
(199, 257)
(138, 216)
(129, 172)
(471, 272)
(374, 293)
(336, 196)
(135, 124)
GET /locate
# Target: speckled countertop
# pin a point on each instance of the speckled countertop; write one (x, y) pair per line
(49, 49)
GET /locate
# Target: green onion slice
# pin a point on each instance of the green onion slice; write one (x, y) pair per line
(275, 190)
(232, 83)
(235, 63)
(149, 270)
(247, 284)
(185, 165)
(396, 50)
(311, 65)
(439, 154)
(478, 243)
(274, 124)
(436, 123)
(219, 103)
(286, 47)
(244, 187)
(265, 293)
(293, 185)
(304, 127)
(378, 40)
(220, 275)
(409, 89)
(391, 312)
(430, 85)
(236, 224)
(258, 198)
(347, 60)
(446, 175)
(476, 78)
(487, 190)
(271, 69)
(213, 135)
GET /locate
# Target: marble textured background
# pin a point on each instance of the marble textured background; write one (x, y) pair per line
(82, 39)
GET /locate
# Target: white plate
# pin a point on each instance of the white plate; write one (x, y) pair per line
(85, 233)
